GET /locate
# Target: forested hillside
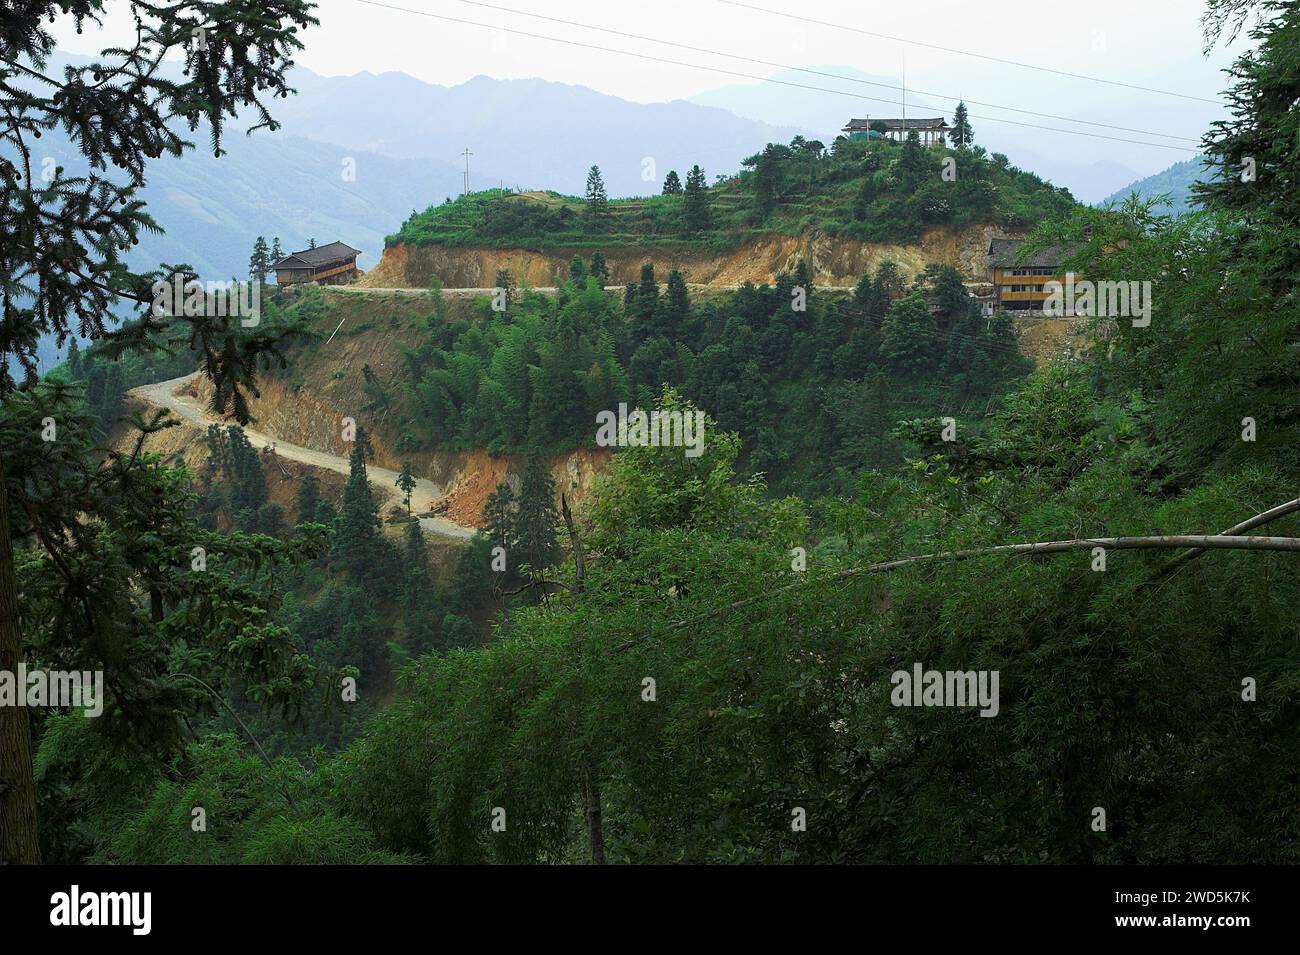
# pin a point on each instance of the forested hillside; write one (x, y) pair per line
(764, 360)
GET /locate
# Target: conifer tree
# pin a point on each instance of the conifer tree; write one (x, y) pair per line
(766, 172)
(672, 184)
(597, 200)
(308, 499)
(406, 481)
(961, 134)
(696, 209)
(536, 519)
(677, 306)
(499, 516)
(259, 261)
(647, 298)
(599, 268)
(505, 283)
(74, 361)
(356, 536)
(907, 336)
(421, 618)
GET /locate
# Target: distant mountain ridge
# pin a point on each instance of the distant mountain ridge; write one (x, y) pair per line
(531, 134)
(1176, 181)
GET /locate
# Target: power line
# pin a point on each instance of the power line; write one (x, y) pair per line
(980, 56)
(833, 76)
(750, 76)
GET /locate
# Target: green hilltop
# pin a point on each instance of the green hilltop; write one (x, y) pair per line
(869, 190)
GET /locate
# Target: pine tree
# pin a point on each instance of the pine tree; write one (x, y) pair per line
(647, 298)
(308, 498)
(406, 481)
(276, 253)
(259, 262)
(672, 185)
(114, 393)
(907, 336)
(536, 519)
(696, 208)
(578, 271)
(74, 361)
(961, 134)
(802, 279)
(499, 515)
(421, 619)
(356, 536)
(677, 307)
(599, 268)
(597, 200)
(505, 283)
(766, 171)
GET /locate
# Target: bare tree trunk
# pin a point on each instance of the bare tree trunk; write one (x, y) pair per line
(590, 789)
(18, 838)
(579, 558)
(595, 828)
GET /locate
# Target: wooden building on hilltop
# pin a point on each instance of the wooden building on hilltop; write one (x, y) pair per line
(932, 131)
(332, 264)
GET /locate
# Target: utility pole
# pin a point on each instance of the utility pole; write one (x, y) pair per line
(467, 154)
(902, 82)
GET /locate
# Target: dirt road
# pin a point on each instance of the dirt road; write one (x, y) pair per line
(190, 411)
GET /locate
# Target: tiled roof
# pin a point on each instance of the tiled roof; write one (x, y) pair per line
(895, 125)
(318, 257)
(1002, 254)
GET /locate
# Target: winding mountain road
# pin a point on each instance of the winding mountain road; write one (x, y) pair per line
(168, 395)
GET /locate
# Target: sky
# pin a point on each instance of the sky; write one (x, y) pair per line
(1146, 43)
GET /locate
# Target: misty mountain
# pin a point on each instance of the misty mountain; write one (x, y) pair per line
(269, 184)
(1176, 182)
(816, 114)
(533, 134)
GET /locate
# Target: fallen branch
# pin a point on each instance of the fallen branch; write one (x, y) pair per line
(1161, 542)
(242, 725)
(1271, 514)
(536, 582)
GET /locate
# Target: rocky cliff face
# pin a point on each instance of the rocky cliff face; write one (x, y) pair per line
(832, 260)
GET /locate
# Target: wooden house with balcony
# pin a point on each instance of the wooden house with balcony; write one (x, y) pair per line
(1023, 285)
(333, 264)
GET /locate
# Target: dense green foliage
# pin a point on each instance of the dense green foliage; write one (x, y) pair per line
(814, 391)
(873, 190)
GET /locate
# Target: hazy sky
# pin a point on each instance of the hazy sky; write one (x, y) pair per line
(1155, 43)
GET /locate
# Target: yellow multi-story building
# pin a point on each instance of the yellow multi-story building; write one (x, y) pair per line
(1023, 285)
